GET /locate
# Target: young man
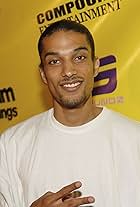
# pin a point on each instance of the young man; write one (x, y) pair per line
(92, 154)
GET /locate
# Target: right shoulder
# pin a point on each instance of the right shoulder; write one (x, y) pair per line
(25, 128)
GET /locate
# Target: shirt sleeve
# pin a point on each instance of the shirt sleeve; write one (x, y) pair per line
(5, 189)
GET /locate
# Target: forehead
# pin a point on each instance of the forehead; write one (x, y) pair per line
(64, 41)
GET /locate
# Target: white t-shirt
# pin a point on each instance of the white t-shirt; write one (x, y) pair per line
(41, 154)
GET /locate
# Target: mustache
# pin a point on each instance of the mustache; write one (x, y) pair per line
(69, 80)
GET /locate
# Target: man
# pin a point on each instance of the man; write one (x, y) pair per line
(75, 153)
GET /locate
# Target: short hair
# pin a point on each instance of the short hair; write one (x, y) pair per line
(66, 25)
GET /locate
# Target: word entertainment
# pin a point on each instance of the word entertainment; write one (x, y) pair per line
(90, 10)
(7, 95)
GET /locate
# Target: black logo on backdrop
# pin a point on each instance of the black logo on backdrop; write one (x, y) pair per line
(77, 10)
(7, 95)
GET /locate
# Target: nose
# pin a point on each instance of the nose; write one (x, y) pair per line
(68, 69)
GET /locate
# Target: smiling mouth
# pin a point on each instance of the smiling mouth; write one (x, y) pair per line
(71, 86)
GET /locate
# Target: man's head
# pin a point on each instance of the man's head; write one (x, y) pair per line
(66, 25)
(68, 63)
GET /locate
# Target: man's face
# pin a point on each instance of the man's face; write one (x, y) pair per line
(68, 68)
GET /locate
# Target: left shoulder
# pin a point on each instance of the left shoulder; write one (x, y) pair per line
(119, 120)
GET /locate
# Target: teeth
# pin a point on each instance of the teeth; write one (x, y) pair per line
(72, 85)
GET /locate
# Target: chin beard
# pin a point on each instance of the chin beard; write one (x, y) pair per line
(73, 103)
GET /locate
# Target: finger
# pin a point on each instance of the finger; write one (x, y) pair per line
(67, 197)
(67, 190)
(74, 202)
(74, 194)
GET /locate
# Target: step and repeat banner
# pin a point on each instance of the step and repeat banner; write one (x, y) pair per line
(116, 29)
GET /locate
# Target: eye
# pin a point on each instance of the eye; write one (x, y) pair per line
(54, 62)
(80, 58)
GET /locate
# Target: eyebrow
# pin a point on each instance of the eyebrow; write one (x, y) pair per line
(57, 53)
(80, 48)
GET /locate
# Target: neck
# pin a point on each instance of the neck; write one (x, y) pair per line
(76, 116)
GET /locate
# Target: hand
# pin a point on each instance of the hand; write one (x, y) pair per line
(63, 198)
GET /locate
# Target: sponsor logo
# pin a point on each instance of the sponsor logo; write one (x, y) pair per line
(106, 82)
(110, 75)
(7, 95)
(78, 10)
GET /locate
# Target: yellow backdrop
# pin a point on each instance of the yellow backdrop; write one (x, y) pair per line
(115, 26)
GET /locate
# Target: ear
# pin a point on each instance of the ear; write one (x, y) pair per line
(43, 75)
(96, 66)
